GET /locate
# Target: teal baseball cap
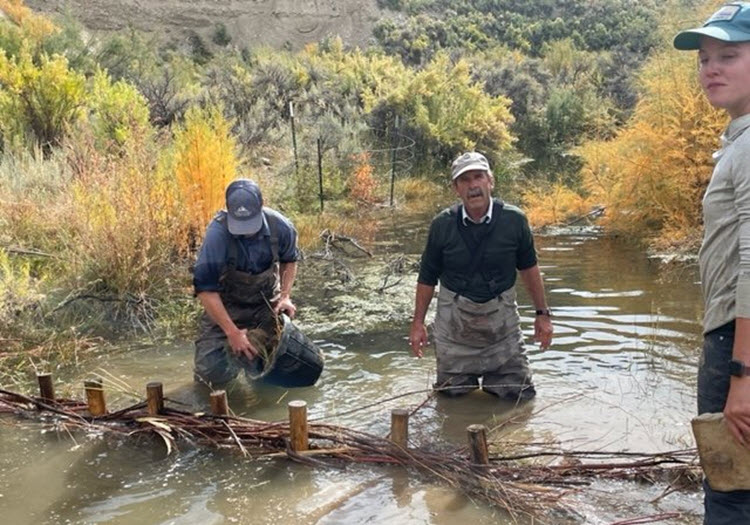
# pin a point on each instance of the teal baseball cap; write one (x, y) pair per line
(731, 23)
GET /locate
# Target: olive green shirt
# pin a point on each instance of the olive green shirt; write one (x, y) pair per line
(447, 258)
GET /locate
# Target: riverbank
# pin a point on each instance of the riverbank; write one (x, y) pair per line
(49, 322)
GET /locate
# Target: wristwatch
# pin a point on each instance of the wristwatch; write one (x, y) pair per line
(738, 368)
(545, 311)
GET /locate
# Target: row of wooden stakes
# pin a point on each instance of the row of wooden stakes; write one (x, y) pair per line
(298, 431)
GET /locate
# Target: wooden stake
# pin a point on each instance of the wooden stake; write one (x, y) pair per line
(478, 444)
(95, 397)
(400, 427)
(46, 386)
(298, 425)
(219, 405)
(155, 398)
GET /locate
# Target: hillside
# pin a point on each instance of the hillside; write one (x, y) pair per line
(250, 22)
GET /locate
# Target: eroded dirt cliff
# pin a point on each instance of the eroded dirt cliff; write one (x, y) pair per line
(250, 22)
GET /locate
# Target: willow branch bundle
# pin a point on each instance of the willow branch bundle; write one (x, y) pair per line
(529, 484)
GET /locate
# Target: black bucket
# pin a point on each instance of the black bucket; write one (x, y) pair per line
(295, 362)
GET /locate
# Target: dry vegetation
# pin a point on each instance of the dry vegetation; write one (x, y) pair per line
(114, 154)
(533, 485)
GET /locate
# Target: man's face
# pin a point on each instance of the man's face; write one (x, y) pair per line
(475, 189)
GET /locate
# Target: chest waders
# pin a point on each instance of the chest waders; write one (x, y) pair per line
(474, 340)
(249, 300)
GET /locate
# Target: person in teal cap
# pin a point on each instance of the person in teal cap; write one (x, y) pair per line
(723, 45)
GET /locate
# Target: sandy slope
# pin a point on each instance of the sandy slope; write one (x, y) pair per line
(250, 22)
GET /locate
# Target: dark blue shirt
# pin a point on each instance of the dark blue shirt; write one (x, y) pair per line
(253, 253)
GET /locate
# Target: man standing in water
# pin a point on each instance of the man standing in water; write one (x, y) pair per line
(243, 278)
(474, 249)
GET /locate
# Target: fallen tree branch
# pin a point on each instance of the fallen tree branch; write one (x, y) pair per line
(522, 488)
(25, 251)
(596, 212)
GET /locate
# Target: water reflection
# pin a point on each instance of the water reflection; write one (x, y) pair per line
(620, 376)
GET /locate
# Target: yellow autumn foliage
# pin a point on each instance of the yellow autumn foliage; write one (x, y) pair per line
(370, 75)
(652, 175)
(552, 204)
(362, 184)
(126, 224)
(310, 225)
(205, 161)
(35, 27)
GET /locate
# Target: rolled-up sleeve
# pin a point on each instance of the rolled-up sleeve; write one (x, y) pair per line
(526, 253)
(288, 250)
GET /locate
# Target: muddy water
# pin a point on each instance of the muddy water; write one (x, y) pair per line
(620, 376)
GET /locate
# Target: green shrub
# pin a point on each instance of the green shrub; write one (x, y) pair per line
(221, 36)
(38, 102)
(118, 113)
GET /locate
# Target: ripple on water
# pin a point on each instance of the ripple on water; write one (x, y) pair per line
(619, 376)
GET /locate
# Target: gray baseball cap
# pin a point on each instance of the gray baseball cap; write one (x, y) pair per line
(471, 160)
(731, 23)
(244, 207)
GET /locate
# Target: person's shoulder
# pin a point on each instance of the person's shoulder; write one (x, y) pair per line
(217, 232)
(510, 212)
(513, 210)
(742, 142)
(277, 216)
(738, 156)
(218, 223)
(447, 214)
(743, 139)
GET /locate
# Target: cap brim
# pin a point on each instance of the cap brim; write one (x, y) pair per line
(249, 226)
(477, 166)
(691, 39)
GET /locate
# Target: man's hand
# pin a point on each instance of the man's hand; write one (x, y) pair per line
(241, 345)
(285, 305)
(737, 410)
(543, 331)
(417, 338)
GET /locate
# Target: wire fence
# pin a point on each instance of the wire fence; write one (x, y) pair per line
(322, 157)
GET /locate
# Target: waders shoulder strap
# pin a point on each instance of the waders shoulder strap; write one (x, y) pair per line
(232, 249)
(273, 226)
(232, 255)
